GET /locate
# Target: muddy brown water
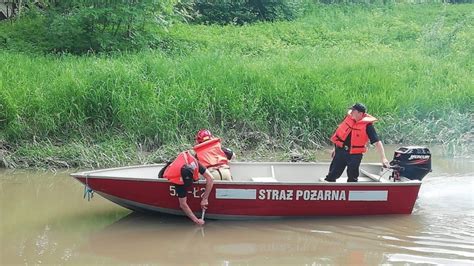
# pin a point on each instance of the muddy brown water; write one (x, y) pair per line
(45, 220)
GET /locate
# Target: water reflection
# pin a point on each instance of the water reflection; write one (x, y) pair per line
(139, 238)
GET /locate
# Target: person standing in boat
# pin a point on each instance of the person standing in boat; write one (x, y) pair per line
(212, 155)
(350, 143)
(182, 172)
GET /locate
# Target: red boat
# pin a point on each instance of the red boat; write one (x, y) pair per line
(269, 190)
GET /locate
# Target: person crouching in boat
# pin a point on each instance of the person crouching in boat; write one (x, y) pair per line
(212, 155)
(182, 172)
(350, 140)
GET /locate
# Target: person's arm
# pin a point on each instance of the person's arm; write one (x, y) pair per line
(381, 152)
(183, 204)
(228, 153)
(375, 140)
(209, 183)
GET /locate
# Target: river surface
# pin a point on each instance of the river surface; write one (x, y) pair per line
(45, 220)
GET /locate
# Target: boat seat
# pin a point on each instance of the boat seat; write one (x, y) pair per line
(373, 177)
(264, 179)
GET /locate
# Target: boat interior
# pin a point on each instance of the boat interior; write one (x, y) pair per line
(259, 172)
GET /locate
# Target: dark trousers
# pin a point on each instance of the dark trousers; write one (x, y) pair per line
(341, 159)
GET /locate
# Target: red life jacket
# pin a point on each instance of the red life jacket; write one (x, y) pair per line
(173, 171)
(359, 137)
(210, 154)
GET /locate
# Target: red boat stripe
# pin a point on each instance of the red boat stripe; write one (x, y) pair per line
(372, 195)
(230, 193)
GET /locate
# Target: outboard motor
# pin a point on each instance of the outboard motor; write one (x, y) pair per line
(412, 162)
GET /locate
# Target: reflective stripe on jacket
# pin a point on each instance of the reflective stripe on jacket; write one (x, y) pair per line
(210, 154)
(359, 137)
(173, 171)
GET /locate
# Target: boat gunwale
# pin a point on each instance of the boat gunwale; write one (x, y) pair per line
(91, 174)
(241, 183)
(232, 163)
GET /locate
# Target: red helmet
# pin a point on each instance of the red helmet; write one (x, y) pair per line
(203, 135)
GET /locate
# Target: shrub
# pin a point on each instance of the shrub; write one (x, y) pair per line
(90, 25)
(240, 11)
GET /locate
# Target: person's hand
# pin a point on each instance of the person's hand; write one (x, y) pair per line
(200, 222)
(385, 163)
(204, 204)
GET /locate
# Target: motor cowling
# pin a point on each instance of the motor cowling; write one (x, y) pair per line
(412, 162)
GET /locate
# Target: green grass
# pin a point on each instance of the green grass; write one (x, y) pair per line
(283, 85)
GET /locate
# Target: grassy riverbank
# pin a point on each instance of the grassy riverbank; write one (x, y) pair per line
(281, 85)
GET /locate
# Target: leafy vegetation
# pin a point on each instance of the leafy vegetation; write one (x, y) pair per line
(276, 86)
(240, 12)
(83, 26)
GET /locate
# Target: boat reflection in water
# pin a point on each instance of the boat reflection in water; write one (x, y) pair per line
(139, 238)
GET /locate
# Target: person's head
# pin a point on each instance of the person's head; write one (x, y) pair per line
(203, 135)
(358, 111)
(187, 175)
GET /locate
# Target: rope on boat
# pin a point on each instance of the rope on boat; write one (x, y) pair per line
(88, 192)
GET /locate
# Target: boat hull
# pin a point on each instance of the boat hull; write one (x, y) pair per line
(244, 200)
